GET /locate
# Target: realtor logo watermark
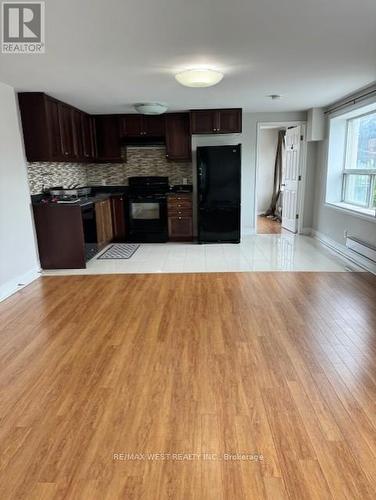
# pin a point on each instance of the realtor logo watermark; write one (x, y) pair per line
(23, 28)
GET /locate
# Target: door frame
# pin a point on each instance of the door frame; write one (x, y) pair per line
(302, 166)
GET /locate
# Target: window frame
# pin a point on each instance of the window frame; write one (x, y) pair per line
(346, 172)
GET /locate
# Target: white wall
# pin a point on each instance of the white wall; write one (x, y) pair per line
(267, 149)
(309, 193)
(18, 256)
(247, 139)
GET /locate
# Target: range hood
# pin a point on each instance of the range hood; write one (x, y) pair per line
(146, 142)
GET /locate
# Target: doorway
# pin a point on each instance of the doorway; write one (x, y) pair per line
(280, 168)
(267, 223)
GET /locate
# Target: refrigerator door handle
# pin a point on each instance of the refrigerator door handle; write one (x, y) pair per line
(202, 175)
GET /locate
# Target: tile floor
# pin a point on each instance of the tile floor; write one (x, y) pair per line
(266, 252)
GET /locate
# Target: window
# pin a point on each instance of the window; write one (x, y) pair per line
(359, 174)
(351, 174)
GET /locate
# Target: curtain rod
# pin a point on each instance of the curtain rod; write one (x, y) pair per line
(351, 101)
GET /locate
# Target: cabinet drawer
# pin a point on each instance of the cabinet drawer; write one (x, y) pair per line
(180, 205)
(179, 197)
(180, 212)
(180, 202)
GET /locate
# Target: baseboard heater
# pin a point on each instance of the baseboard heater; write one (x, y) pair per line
(362, 248)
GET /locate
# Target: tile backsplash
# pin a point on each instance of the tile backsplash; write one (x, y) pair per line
(46, 174)
(147, 160)
(140, 161)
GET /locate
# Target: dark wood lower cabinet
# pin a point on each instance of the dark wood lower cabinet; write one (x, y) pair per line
(60, 236)
(104, 222)
(118, 218)
(180, 228)
(180, 219)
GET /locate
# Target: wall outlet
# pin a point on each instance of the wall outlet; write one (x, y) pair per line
(345, 233)
(185, 180)
(104, 182)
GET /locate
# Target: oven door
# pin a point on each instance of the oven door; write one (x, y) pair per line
(148, 219)
(145, 211)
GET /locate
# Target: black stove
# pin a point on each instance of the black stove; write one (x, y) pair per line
(150, 184)
(147, 209)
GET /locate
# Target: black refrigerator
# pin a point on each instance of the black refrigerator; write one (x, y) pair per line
(218, 191)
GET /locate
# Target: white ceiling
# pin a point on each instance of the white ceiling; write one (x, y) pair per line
(103, 56)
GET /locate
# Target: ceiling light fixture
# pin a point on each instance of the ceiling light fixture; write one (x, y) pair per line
(150, 108)
(199, 77)
(274, 97)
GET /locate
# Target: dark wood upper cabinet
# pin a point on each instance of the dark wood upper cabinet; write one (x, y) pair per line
(54, 148)
(216, 121)
(78, 139)
(66, 120)
(41, 127)
(54, 130)
(88, 137)
(154, 126)
(203, 121)
(230, 121)
(131, 125)
(178, 137)
(142, 125)
(108, 139)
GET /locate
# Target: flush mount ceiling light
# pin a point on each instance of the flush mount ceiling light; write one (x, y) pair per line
(199, 77)
(274, 97)
(150, 108)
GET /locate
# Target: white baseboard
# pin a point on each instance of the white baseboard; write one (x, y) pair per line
(344, 252)
(307, 231)
(16, 284)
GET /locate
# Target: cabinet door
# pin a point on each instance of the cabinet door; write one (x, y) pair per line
(230, 121)
(204, 121)
(131, 125)
(108, 139)
(54, 132)
(154, 126)
(87, 130)
(108, 221)
(178, 137)
(104, 222)
(66, 128)
(77, 134)
(60, 236)
(180, 228)
(118, 218)
(93, 137)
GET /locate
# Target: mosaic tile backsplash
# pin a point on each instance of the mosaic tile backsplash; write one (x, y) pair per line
(55, 174)
(140, 161)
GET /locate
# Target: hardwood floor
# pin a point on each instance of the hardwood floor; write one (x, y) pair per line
(268, 226)
(280, 366)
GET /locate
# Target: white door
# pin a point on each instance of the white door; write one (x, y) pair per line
(290, 179)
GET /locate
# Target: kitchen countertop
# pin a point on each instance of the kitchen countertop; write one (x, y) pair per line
(102, 193)
(84, 201)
